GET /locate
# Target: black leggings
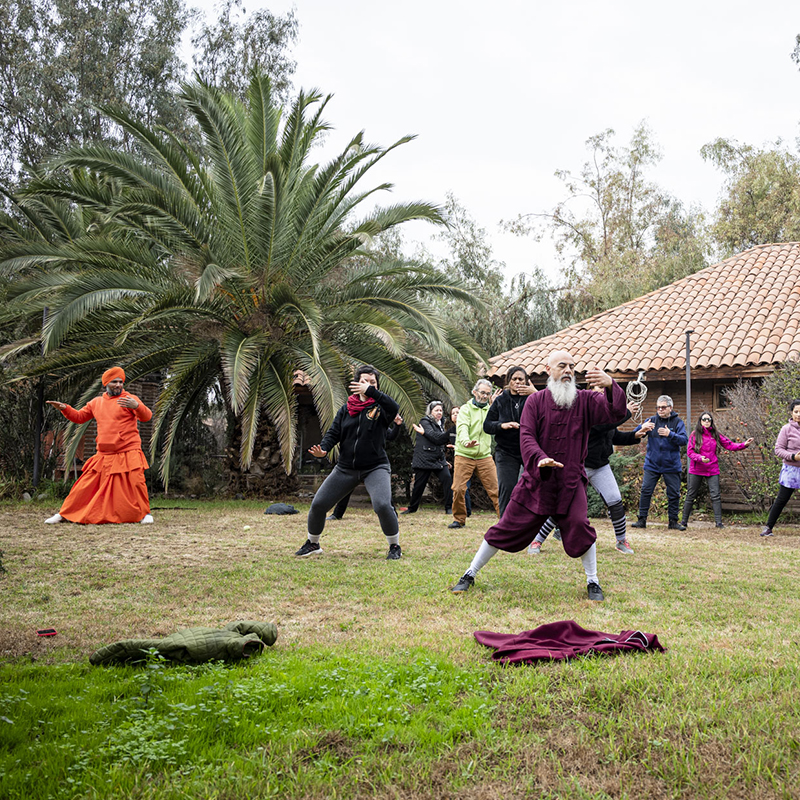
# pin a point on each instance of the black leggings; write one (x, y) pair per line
(784, 493)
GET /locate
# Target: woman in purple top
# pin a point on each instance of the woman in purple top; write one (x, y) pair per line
(787, 447)
(703, 463)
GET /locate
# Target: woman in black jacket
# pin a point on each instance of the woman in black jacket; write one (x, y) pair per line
(359, 429)
(502, 422)
(429, 454)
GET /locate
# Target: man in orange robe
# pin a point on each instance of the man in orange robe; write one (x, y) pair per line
(112, 486)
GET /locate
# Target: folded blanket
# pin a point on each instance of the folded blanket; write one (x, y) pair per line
(561, 640)
(194, 645)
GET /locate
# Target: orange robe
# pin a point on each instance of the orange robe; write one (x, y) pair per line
(111, 487)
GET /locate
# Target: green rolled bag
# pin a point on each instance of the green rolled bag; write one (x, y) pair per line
(237, 640)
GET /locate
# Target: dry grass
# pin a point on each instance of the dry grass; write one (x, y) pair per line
(715, 716)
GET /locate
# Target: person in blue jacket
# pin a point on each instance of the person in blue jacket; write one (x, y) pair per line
(666, 434)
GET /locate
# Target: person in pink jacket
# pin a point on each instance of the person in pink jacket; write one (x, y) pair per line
(787, 447)
(703, 463)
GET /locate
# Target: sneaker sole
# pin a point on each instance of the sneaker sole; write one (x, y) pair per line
(307, 555)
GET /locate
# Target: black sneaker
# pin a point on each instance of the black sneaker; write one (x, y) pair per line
(455, 524)
(395, 553)
(595, 592)
(332, 518)
(464, 583)
(407, 511)
(640, 523)
(767, 531)
(675, 526)
(309, 549)
(720, 525)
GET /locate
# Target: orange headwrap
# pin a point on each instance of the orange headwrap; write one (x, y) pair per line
(113, 374)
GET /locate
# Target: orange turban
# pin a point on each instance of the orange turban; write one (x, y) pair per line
(113, 374)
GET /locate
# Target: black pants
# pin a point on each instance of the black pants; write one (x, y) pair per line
(509, 468)
(784, 493)
(672, 481)
(693, 483)
(421, 481)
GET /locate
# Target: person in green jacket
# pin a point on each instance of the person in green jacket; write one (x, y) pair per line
(473, 452)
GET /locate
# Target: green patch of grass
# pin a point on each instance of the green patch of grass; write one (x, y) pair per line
(376, 687)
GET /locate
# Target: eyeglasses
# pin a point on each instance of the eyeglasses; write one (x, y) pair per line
(663, 408)
(705, 419)
(484, 394)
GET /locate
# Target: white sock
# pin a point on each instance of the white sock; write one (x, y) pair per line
(485, 552)
(589, 561)
(390, 540)
(314, 539)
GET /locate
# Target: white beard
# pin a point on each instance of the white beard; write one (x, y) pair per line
(563, 392)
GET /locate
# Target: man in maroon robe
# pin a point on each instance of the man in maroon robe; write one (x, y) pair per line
(554, 432)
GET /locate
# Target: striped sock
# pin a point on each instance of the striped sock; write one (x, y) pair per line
(545, 530)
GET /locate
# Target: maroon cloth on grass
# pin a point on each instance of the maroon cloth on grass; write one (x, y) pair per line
(561, 640)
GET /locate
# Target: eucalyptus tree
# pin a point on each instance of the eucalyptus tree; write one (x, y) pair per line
(233, 266)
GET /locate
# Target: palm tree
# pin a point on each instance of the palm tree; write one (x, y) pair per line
(231, 268)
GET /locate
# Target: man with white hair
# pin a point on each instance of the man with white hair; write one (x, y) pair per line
(473, 452)
(554, 432)
(666, 434)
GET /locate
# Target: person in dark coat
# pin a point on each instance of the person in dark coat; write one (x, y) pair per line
(554, 433)
(502, 422)
(359, 428)
(341, 506)
(602, 439)
(429, 454)
(666, 434)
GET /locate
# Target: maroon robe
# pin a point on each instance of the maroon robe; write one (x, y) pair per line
(563, 640)
(548, 431)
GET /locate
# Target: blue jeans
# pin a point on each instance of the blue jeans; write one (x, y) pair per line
(672, 481)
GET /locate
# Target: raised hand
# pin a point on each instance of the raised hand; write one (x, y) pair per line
(317, 451)
(359, 387)
(596, 377)
(56, 404)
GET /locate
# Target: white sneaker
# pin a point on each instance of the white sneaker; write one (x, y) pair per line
(148, 520)
(54, 519)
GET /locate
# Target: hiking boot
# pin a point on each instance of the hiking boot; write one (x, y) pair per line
(455, 524)
(309, 549)
(640, 523)
(147, 519)
(332, 518)
(535, 549)
(766, 532)
(395, 553)
(624, 547)
(595, 592)
(54, 519)
(674, 525)
(464, 583)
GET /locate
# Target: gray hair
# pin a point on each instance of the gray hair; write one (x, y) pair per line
(479, 382)
(433, 403)
(665, 398)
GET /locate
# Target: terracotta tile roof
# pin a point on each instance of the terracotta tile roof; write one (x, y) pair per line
(745, 312)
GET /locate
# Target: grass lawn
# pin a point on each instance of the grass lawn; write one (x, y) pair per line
(376, 687)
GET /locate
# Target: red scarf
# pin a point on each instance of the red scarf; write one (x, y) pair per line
(355, 405)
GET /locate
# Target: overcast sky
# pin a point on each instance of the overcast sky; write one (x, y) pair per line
(502, 94)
